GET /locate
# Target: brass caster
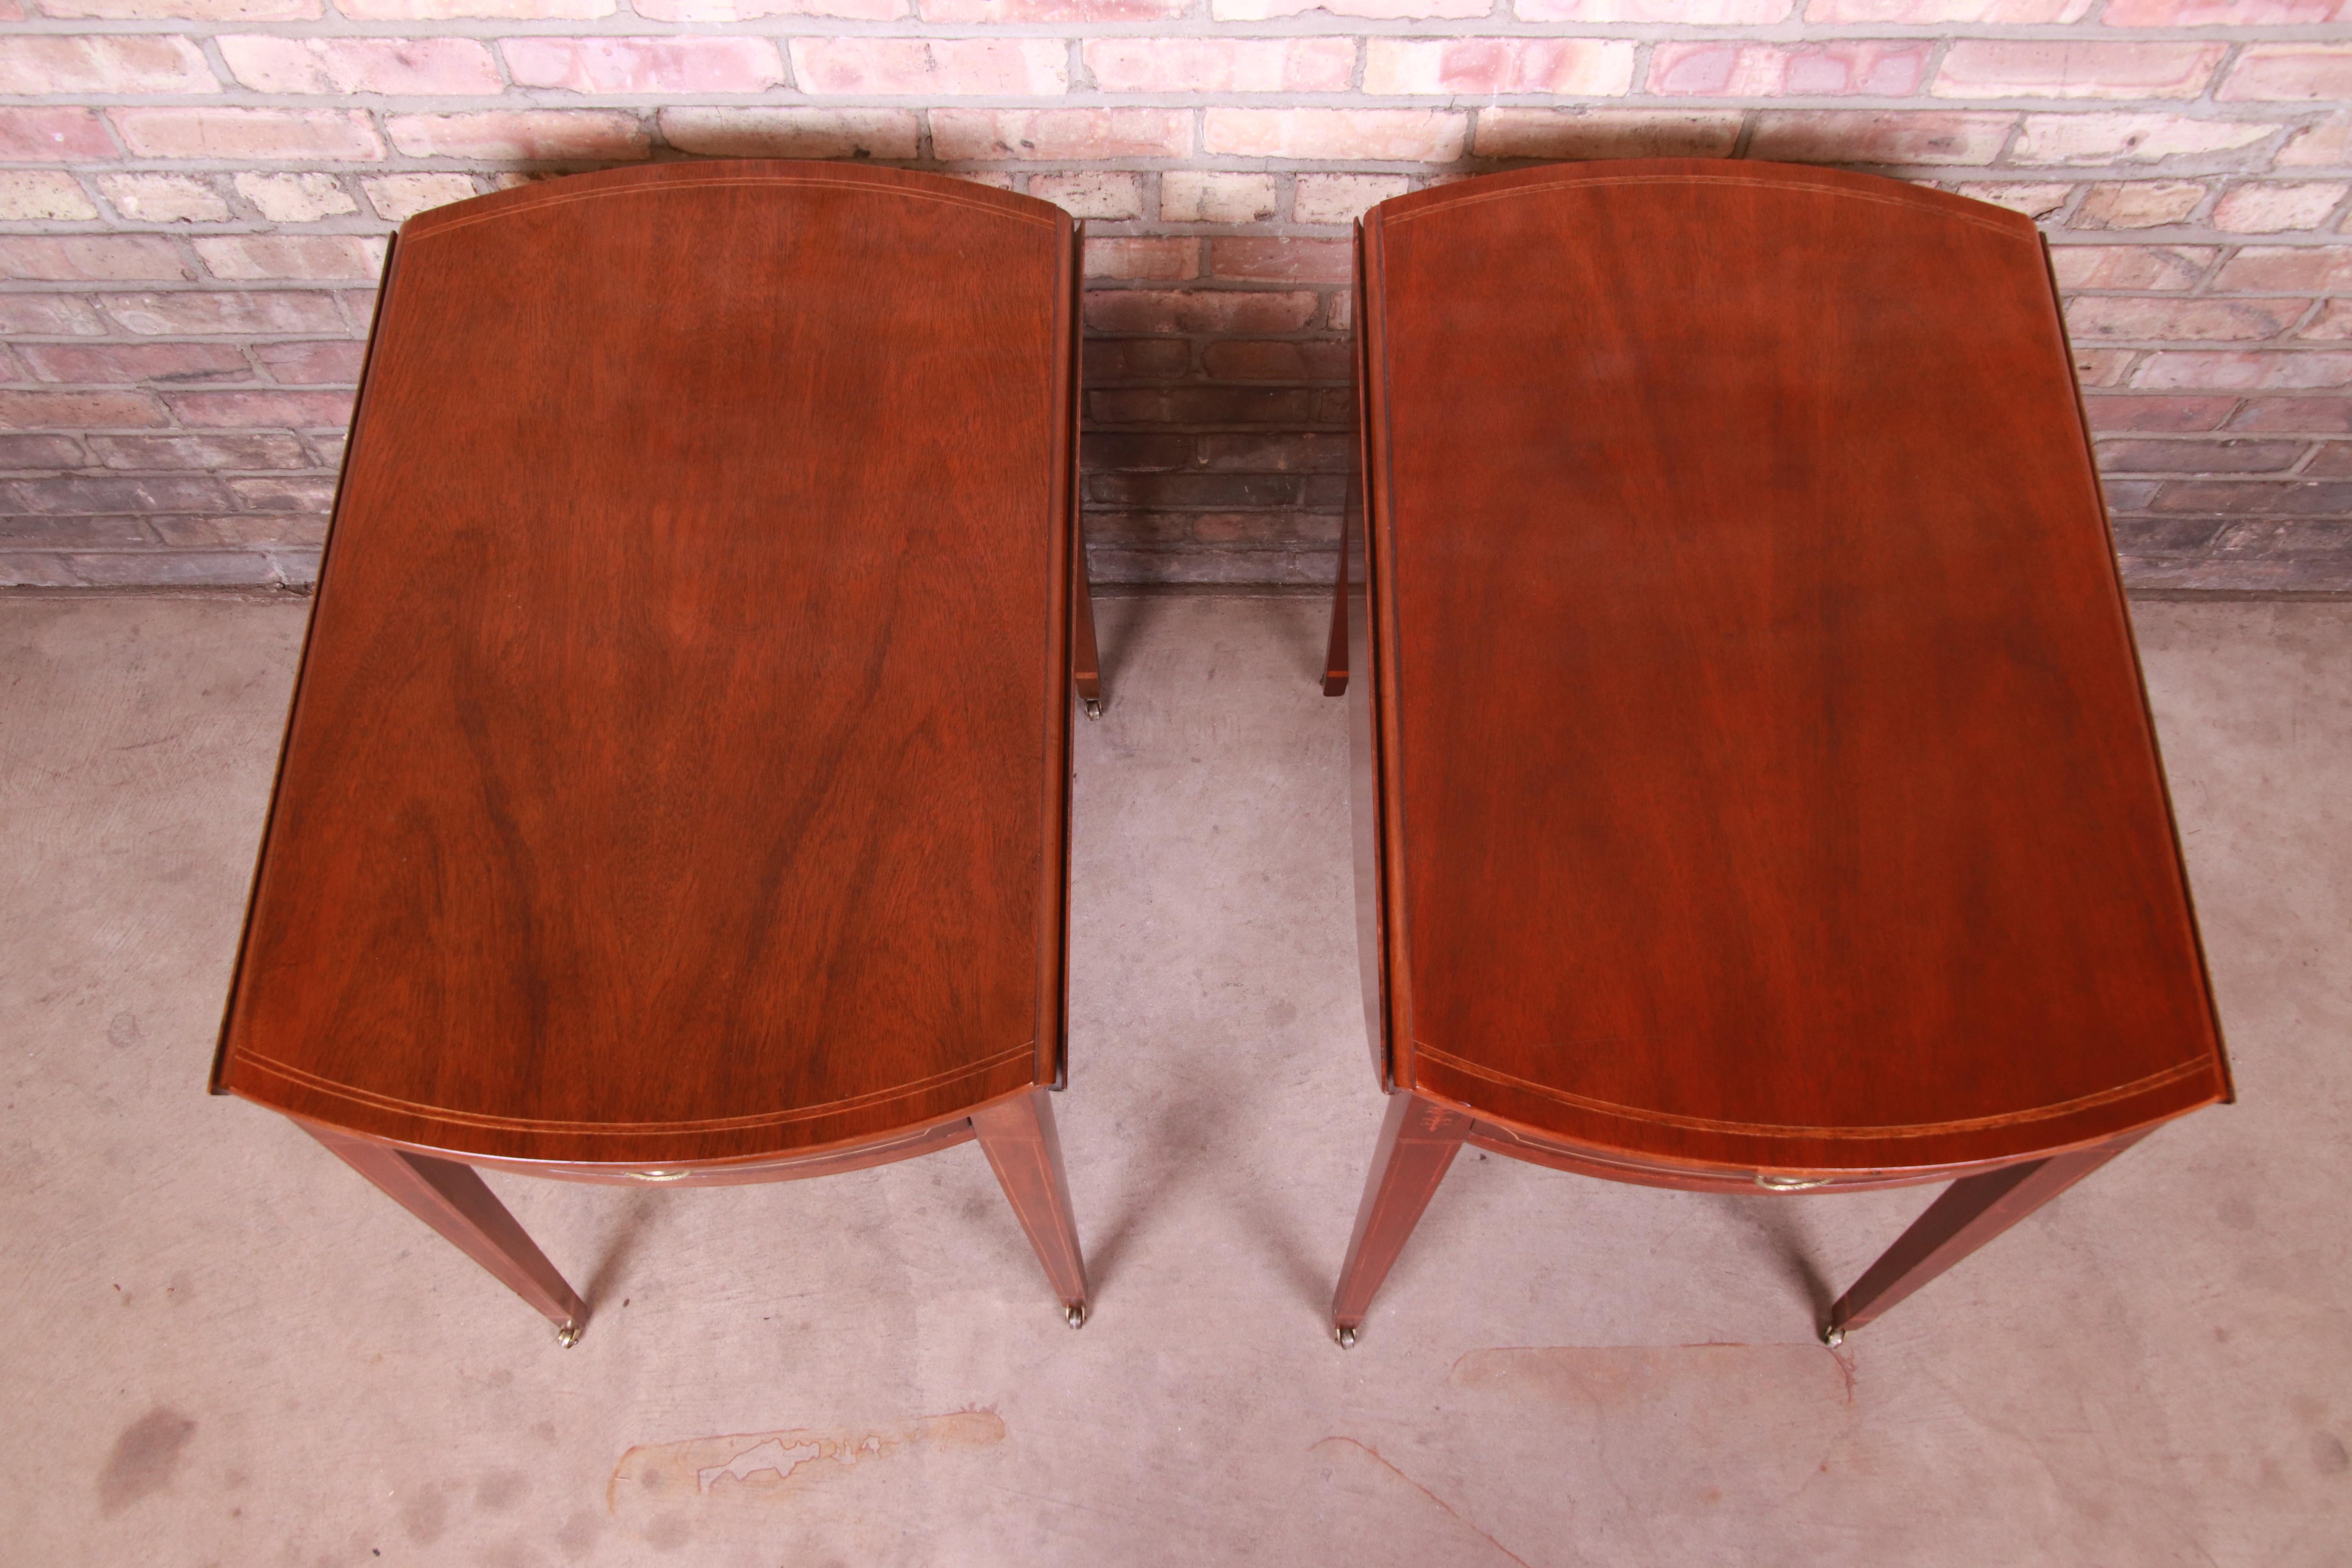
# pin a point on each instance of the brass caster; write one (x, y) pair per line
(1345, 1336)
(1832, 1334)
(1094, 707)
(1075, 1312)
(568, 1335)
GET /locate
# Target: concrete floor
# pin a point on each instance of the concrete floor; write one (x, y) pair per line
(221, 1347)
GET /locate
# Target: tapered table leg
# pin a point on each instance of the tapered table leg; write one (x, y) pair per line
(1018, 1137)
(1334, 654)
(454, 1200)
(1086, 661)
(1969, 1212)
(1418, 1141)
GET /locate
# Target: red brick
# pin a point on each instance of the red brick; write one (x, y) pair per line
(1880, 69)
(2255, 497)
(1878, 136)
(2109, 137)
(1379, 10)
(1339, 198)
(76, 410)
(2219, 12)
(1050, 10)
(188, 10)
(1136, 359)
(264, 529)
(44, 195)
(2274, 206)
(2158, 415)
(34, 569)
(106, 64)
(1283, 260)
(1222, 65)
(1118, 451)
(1573, 68)
(1990, 67)
(2283, 268)
(165, 198)
(443, 10)
(242, 256)
(173, 364)
(1192, 491)
(2315, 415)
(334, 362)
(1606, 134)
(47, 316)
(254, 135)
(262, 410)
(21, 452)
(2334, 322)
(407, 67)
(313, 494)
(1198, 311)
(1680, 13)
(209, 454)
(2334, 461)
(2103, 367)
(1384, 135)
(1060, 133)
(57, 135)
(200, 314)
(2291, 73)
(995, 67)
(685, 64)
(748, 10)
(1096, 193)
(1301, 452)
(751, 132)
(534, 135)
(1926, 13)
(2130, 265)
(101, 257)
(2199, 456)
(2290, 371)
(2328, 142)
(1275, 359)
(2138, 203)
(1279, 405)
(69, 495)
(2140, 320)
(1160, 261)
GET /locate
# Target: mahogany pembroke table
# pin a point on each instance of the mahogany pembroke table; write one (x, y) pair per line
(1756, 786)
(677, 783)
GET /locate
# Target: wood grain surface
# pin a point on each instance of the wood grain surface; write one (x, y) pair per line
(678, 768)
(1768, 781)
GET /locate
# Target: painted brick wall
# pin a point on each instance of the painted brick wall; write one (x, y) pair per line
(193, 195)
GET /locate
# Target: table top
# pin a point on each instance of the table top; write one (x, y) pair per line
(678, 764)
(1766, 777)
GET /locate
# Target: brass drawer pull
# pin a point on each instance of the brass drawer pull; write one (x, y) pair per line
(681, 1175)
(1790, 1183)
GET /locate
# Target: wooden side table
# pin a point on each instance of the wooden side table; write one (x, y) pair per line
(677, 787)
(1757, 789)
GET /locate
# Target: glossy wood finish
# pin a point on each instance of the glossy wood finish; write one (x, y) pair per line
(678, 776)
(1762, 783)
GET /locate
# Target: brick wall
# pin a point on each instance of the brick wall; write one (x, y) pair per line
(193, 195)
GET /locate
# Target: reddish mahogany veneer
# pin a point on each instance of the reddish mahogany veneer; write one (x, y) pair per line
(1759, 774)
(678, 769)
